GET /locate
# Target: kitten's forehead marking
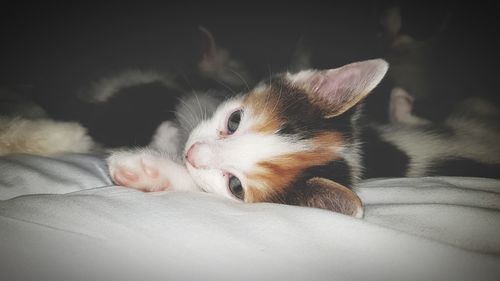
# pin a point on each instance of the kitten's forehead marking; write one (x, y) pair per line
(265, 108)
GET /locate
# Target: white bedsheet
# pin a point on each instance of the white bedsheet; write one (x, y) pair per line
(445, 228)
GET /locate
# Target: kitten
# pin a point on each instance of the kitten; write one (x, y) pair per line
(277, 143)
(298, 139)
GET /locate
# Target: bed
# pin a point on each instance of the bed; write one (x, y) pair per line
(61, 218)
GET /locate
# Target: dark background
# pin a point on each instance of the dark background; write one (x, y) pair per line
(50, 50)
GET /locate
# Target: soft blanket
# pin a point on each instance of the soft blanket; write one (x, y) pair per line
(61, 218)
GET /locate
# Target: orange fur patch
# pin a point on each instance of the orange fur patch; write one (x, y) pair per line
(273, 176)
(266, 109)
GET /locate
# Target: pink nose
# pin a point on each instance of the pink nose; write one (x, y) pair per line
(201, 156)
(196, 155)
(191, 155)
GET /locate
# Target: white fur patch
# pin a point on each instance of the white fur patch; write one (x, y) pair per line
(401, 108)
(297, 78)
(471, 140)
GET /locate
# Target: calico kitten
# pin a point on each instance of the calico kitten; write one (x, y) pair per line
(300, 139)
(290, 141)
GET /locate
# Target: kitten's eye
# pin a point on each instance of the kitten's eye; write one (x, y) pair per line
(233, 122)
(236, 188)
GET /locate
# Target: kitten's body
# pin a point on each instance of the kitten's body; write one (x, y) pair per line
(25, 127)
(465, 144)
(299, 140)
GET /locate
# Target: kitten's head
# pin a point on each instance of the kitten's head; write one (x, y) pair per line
(289, 140)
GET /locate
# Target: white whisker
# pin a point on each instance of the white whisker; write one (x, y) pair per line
(226, 86)
(189, 108)
(240, 77)
(186, 120)
(202, 112)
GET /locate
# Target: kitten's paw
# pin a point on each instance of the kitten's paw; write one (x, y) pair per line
(138, 170)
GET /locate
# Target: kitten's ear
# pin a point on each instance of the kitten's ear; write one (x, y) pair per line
(336, 90)
(326, 194)
(208, 47)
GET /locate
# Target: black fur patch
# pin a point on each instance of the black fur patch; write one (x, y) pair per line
(337, 171)
(465, 168)
(302, 118)
(380, 158)
(299, 192)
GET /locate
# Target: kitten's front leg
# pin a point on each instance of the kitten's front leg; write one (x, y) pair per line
(149, 170)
